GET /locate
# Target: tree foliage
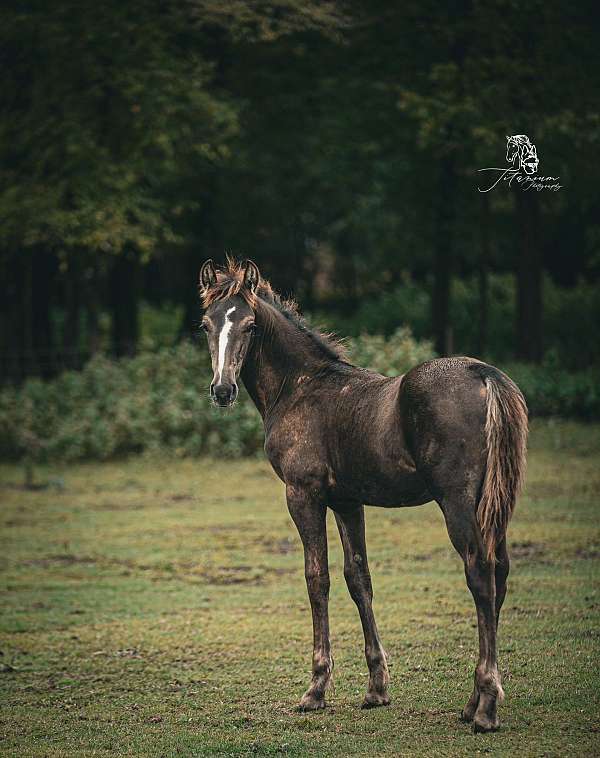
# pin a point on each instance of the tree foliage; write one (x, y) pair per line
(337, 143)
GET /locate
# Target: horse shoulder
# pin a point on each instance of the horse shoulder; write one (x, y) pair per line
(296, 449)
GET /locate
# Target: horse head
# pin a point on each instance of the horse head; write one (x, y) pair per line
(229, 325)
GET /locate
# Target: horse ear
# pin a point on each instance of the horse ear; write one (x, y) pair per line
(208, 276)
(251, 276)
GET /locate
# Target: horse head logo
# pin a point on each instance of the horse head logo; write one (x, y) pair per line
(521, 153)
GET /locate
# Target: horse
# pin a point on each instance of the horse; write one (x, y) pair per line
(453, 430)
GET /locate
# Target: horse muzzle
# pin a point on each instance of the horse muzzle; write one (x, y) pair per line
(223, 395)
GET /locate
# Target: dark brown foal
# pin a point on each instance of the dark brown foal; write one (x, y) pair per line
(452, 430)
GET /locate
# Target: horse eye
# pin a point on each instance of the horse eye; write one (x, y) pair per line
(250, 329)
(204, 326)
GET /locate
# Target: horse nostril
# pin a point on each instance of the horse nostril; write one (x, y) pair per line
(212, 390)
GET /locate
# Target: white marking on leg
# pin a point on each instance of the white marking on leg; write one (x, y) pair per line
(223, 337)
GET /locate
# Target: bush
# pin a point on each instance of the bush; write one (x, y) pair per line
(551, 391)
(154, 401)
(158, 401)
(410, 304)
(389, 356)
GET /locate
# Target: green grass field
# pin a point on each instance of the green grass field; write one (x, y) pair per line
(157, 607)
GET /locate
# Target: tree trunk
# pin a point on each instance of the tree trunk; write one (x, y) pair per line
(443, 258)
(71, 333)
(482, 275)
(44, 271)
(123, 295)
(92, 320)
(11, 310)
(210, 245)
(529, 279)
(29, 365)
(192, 308)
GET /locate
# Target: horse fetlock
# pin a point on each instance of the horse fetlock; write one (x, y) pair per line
(379, 681)
(488, 683)
(379, 672)
(322, 666)
(376, 658)
(490, 694)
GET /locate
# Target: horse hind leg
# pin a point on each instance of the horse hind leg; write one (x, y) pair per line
(500, 576)
(480, 574)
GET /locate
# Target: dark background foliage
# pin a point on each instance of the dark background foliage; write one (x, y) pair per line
(336, 144)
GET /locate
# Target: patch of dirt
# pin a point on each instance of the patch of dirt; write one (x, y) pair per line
(130, 652)
(526, 550)
(548, 490)
(20, 522)
(588, 552)
(66, 559)
(241, 574)
(182, 571)
(278, 546)
(117, 507)
(419, 557)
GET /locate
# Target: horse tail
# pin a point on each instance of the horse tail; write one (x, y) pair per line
(506, 440)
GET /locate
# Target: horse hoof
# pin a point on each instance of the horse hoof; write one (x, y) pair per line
(375, 700)
(311, 703)
(481, 725)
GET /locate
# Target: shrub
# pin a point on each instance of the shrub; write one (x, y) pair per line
(392, 355)
(158, 401)
(551, 391)
(410, 304)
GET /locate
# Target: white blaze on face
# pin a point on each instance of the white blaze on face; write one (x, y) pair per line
(223, 337)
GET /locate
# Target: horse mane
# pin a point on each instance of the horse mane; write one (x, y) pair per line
(230, 282)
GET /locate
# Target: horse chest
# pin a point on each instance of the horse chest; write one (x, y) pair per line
(296, 456)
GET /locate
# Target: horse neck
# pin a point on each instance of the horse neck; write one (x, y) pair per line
(282, 353)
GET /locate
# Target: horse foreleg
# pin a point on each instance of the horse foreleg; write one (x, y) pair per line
(309, 515)
(351, 525)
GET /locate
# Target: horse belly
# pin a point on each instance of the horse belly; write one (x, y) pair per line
(389, 484)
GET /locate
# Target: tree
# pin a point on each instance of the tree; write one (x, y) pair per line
(115, 121)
